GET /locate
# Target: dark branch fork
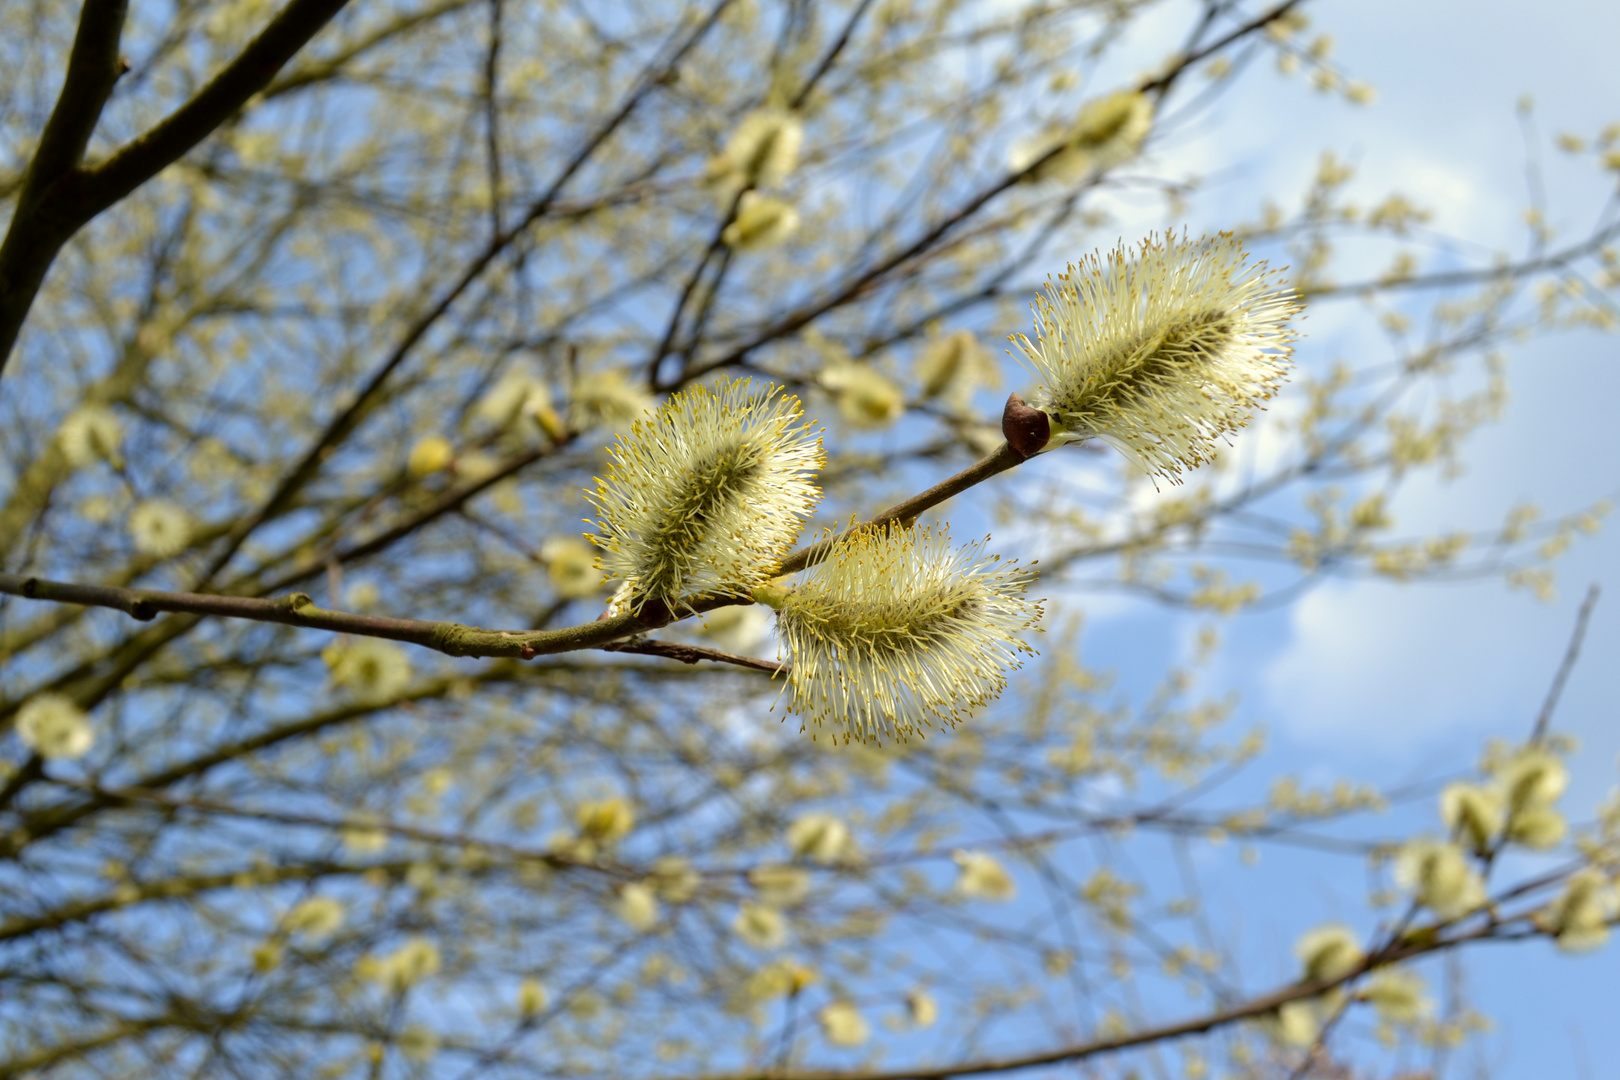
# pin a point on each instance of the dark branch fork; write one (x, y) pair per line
(59, 196)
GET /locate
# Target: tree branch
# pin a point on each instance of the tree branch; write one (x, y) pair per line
(456, 639)
(1557, 260)
(138, 795)
(297, 609)
(53, 207)
(356, 411)
(1571, 654)
(93, 67)
(868, 280)
(1254, 1008)
(999, 460)
(691, 654)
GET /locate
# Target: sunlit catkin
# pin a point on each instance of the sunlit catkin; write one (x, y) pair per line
(762, 222)
(54, 727)
(1328, 953)
(708, 495)
(1108, 131)
(89, 434)
(897, 631)
(764, 149)
(1579, 918)
(1440, 877)
(1162, 351)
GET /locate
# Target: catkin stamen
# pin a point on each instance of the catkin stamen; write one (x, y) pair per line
(707, 495)
(897, 632)
(1139, 369)
(1163, 351)
(702, 495)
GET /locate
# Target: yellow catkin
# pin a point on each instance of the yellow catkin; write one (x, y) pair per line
(708, 495)
(1162, 351)
(897, 631)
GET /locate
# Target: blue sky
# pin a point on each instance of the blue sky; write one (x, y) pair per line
(1383, 681)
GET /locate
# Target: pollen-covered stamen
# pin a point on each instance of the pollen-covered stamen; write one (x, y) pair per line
(893, 629)
(708, 495)
(698, 502)
(1161, 352)
(1149, 364)
(896, 631)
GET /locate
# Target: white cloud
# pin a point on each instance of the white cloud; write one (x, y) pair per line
(1384, 671)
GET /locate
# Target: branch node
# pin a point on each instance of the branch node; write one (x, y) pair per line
(452, 639)
(293, 603)
(1026, 428)
(141, 609)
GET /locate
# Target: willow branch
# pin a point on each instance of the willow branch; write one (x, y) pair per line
(691, 654)
(1571, 654)
(297, 609)
(456, 639)
(53, 208)
(1161, 85)
(1450, 279)
(38, 230)
(999, 460)
(330, 67)
(1253, 1009)
(872, 277)
(82, 910)
(93, 68)
(139, 795)
(349, 418)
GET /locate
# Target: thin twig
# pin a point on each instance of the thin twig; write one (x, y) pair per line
(1571, 654)
(691, 654)
(350, 417)
(1259, 1006)
(285, 817)
(998, 460)
(297, 609)
(869, 279)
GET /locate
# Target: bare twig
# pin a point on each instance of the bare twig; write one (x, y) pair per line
(297, 609)
(285, 817)
(999, 460)
(1254, 1008)
(691, 654)
(1571, 654)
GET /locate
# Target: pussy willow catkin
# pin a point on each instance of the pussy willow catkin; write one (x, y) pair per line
(708, 494)
(1161, 351)
(898, 631)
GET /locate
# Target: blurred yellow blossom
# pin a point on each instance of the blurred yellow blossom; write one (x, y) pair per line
(981, 877)
(160, 528)
(430, 454)
(571, 566)
(819, 837)
(54, 727)
(843, 1025)
(760, 926)
(1328, 952)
